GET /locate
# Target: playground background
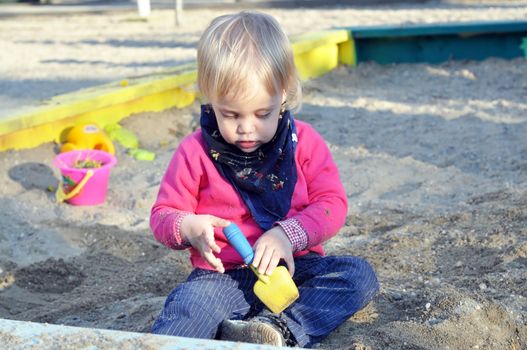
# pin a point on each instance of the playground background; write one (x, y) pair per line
(433, 157)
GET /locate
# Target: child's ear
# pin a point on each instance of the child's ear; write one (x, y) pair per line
(282, 108)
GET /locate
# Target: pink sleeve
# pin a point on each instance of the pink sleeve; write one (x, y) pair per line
(177, 196)
(328, 205)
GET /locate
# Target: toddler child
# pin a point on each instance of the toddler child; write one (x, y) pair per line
(253, 164)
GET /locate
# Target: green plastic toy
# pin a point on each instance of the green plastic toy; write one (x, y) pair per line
(124, 137)
(129, 140)
(142, 154)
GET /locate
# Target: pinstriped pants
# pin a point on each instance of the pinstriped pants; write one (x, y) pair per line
(332, 288)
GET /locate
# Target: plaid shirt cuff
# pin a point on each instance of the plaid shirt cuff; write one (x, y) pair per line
(295, 232)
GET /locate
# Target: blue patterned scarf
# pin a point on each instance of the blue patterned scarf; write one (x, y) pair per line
(265, 178)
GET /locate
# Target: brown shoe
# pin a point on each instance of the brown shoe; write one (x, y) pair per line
(251, 331)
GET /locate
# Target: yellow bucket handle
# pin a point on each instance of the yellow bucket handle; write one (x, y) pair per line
(61, 196)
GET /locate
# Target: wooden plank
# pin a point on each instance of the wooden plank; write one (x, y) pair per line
(307, 42)
(348, 53)
(438, 29)
(99, 97)
(439, 43)
(432, 49)
(44, 336)
(317, 61)
(51, 130)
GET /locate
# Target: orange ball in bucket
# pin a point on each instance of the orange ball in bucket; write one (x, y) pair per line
(85, 175)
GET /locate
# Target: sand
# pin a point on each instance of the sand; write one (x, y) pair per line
(52, 55)
(434, 161)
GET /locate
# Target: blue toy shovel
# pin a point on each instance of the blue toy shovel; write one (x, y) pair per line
(276, 291)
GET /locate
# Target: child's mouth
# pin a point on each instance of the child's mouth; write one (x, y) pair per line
(247, 144)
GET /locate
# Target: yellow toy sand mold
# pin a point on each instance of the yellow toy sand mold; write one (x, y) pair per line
(86, 136)
(277, 291)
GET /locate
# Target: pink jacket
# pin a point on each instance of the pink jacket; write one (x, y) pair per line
(192, 184)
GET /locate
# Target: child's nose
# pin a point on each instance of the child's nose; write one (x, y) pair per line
(245, 126)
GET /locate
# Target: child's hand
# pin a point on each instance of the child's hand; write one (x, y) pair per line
(272, 246)
(198, 230)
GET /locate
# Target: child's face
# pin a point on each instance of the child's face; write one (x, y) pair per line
(248, 121)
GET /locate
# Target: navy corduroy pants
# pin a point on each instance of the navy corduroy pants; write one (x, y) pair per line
(332, 288)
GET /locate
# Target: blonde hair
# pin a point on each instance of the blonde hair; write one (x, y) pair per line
(235, 48)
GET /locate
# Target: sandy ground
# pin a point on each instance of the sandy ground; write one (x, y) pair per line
(434, 161)
(44, 56)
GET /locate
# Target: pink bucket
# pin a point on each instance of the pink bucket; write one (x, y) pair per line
(83, 186)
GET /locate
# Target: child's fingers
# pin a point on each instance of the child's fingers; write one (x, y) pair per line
(210, 241)
(213, 261)
(219, 222)
(215, 248)
(273, 263)
(208, 247)
(265, 260)
(258, 253)
(290, 262)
